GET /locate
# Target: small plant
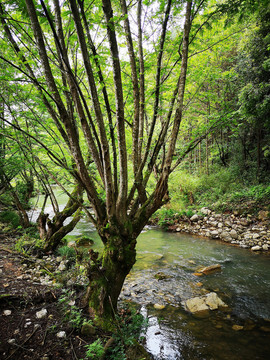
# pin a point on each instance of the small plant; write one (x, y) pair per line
(27, 243)
(67, 252)
(131, 326)
(72, 313)
(95, 350)
(166, 217)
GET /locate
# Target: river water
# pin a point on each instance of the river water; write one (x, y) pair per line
(173, 333)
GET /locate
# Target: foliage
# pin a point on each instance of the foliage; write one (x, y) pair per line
(72, 314)
(29, 242)
(67, 252)
(10, 217)
(95, 350)
(131, 326)
(255, 193)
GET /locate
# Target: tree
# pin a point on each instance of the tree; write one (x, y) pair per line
(107, 108)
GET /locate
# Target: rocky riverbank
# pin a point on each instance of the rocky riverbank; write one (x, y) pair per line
(245, 231)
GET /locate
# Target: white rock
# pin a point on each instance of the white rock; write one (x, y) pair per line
(11, 341)
(61, 334)
(205, 211)
(41, 314)
(7, 312)
(62, 266)
(194, 218)
(256, 248)
(265, 247)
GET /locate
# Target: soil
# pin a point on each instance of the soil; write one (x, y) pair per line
(22, 334)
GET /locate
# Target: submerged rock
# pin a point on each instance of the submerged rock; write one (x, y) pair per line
(162, 276)
(210, 269)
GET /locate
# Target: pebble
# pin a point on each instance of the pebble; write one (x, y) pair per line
(159, 306)
(237, 327)
(7, 312)
(41, 314)
(61, 334)
(11, 341)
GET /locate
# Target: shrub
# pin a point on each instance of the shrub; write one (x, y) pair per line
(68, 252)
(10, 217)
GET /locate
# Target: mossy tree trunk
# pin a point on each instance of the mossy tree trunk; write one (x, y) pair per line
(107, 274)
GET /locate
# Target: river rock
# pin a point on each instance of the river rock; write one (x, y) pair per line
(202, 304)
(136, 351)
(161, 276)
(159, 306)
(205, 211)
(210, 269)
(224, 235)
(256, 248)
(194, 218)
(237, 327)
(233, 234)
(265, 247)
(196, 305)
(214, 233)
(62, 266)
(263, 215)
(214, 302)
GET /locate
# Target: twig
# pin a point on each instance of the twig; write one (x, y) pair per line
(72, 347)
(44, 337)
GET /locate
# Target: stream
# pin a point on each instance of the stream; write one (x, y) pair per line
(240, 332)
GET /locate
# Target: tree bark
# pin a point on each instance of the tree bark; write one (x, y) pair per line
(107, 274)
